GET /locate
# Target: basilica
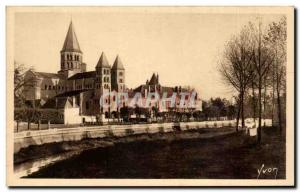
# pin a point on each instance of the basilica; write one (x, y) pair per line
(76, 92)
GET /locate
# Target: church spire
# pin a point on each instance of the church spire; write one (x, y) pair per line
(118, 64)
(71, 55)
(102, 61)
(71, 42)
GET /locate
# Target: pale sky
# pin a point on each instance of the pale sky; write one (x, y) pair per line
(183, 48)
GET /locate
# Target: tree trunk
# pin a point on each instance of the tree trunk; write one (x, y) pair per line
(39, 124)
(17, 126)
(238, 115)
(259, 111)
(279, 108)
(273, 94)
(273, 103)
(265, 97)
(253, 103)
(242, 110)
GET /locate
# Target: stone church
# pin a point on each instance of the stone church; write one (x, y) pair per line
(72, 85)
(76, 93)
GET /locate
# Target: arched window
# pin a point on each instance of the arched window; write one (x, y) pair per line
(68, 65)
(71, 65)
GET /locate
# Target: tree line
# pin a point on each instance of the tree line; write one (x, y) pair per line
(254, 65)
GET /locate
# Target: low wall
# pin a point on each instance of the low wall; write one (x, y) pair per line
(27, 138)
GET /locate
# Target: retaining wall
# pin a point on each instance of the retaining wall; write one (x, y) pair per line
(27, 138)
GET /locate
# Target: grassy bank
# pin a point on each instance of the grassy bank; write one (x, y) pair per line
(42, 151)
(183, 155)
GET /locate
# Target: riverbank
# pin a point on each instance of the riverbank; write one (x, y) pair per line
(36, 156)
(185, 155)
(31, 138)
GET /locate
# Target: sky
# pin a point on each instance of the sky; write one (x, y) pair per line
(184, 48)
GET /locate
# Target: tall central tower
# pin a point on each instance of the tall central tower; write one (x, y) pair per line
(71, 54)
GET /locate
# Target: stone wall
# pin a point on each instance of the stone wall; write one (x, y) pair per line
(27, 138)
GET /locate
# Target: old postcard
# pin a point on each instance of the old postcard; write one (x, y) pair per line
(150, 96)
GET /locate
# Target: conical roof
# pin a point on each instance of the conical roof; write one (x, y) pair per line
(102, 61)
(153, 80)
(118, 63)
(71, 42)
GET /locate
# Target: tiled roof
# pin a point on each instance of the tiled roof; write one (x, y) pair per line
(154, 80)
(71, 42)
(48, 75)
(118, 63)
(71, 93)
(139, 88)
(84, 75)
(59, 103)
(103, 61)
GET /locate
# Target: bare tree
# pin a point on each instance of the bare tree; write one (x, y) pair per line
(262, 60)
(276, 39)
(20, 82)
(236, 67)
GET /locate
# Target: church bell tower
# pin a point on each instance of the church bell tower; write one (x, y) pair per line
(71, 54)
